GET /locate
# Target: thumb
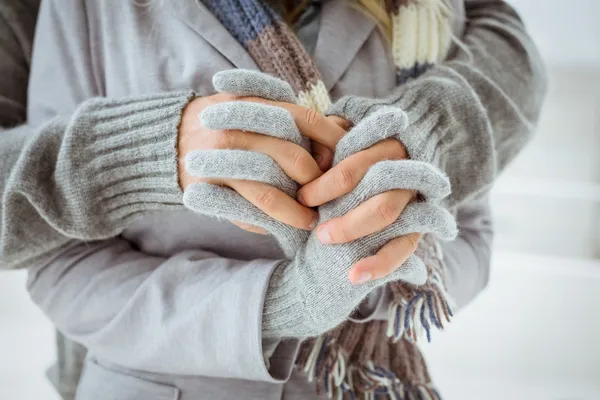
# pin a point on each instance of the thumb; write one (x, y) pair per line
(321, 153)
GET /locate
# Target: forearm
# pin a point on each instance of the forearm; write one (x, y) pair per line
(84, 166)
(86, 176)
(471, 114)
(193, 313)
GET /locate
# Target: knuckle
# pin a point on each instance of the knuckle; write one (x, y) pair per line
(300, 159)
(267, 198)
(221, 98)
(394, 149)
(253, 99)
(341, 233)
(230, 140)
(221, 140)
(395, 145)
(344, 178)
(385, 211)
(311, 117)
(412, 242)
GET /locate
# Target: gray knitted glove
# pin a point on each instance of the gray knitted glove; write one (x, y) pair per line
(268, 120)
(312, 294)
(435, 130)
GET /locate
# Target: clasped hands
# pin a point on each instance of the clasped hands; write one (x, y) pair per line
(253, 141)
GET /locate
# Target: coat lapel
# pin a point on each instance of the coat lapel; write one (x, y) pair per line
(194, 14)
(342, 33)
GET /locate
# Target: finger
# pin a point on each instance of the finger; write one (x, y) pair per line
(185, 178)
(273, 118)
(389, 258)
(225, 203)
(252, 116)
(275, 203)
(311, 123)
(239, 165)
(371, 216)
(345, 176)
(244, 82)
(322, 155)
(280, 164)
(383, 124)
(250, 228)
(247, 117)
(422, 218)
(343, 123)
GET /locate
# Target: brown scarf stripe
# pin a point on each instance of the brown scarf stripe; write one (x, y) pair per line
(306, 66)
(293, 66)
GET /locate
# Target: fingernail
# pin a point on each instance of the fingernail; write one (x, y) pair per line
(363, 277)
(318, 159)
(300, 198)
(324, 235)
(314, 223)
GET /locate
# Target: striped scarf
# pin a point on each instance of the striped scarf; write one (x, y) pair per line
(377, 359)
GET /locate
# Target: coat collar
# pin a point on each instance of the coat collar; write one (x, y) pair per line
(195, 15)
(343, 31)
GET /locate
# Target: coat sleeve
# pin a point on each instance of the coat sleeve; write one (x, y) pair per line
(82, 167)
(473, 113)
(194, 313)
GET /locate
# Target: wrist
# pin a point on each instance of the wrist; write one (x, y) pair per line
(130, 151)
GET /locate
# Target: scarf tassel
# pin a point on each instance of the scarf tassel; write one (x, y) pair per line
(409, 318)
(342, 380)
(334, 374)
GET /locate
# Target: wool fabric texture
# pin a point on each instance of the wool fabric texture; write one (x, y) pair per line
(374, 359)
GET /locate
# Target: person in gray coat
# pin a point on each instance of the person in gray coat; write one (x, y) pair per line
(168, 302)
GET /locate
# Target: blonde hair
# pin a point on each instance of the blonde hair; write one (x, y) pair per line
(374, 9)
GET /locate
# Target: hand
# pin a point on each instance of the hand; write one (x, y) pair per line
(292, 158)
(314, 283)
(371, 216)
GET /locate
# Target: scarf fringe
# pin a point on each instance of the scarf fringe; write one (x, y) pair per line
(344, 380)
(345, 368)
(410, 318)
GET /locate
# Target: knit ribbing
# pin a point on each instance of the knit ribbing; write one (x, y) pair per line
(434, 131)
(128, 148)
(283, 308)
(102, 167)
